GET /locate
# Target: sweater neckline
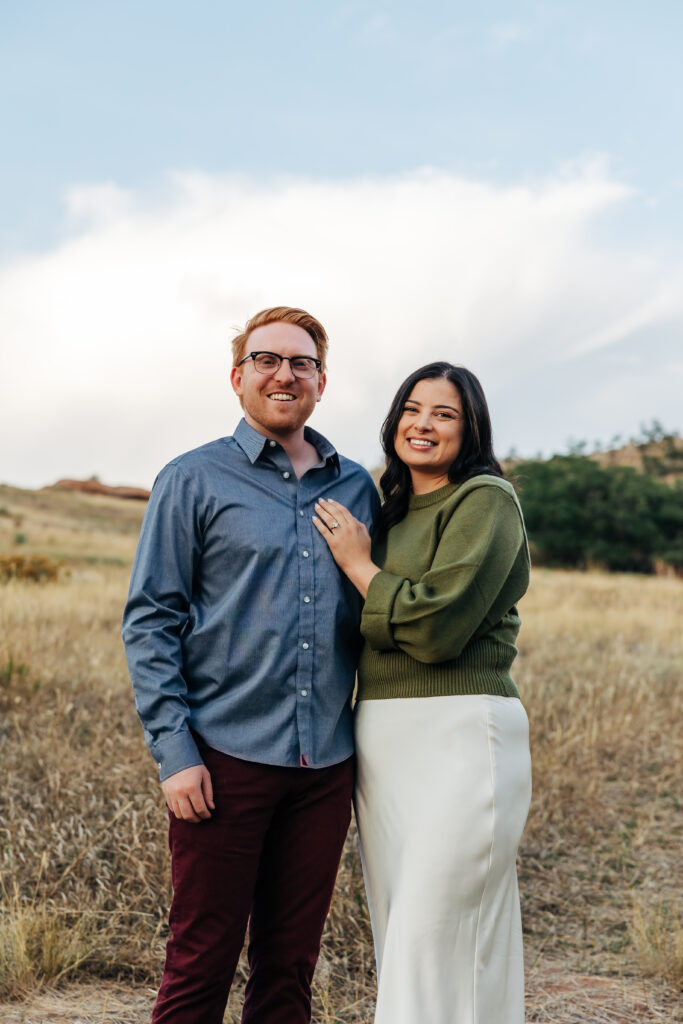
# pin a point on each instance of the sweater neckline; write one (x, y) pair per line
(431, 497)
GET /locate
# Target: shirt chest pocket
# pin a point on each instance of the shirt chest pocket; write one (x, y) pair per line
(242, 540)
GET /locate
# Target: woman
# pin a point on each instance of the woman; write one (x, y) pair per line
(444, 778)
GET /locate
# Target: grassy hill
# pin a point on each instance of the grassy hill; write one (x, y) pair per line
(83, 856)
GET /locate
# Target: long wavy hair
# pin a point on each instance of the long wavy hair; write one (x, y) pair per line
(476, 451)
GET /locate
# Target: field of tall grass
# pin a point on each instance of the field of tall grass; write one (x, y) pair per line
(83, 859)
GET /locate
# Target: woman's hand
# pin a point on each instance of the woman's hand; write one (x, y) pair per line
(348, 540)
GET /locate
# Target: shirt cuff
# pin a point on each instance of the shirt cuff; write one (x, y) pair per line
(376, 619)
(175, 753)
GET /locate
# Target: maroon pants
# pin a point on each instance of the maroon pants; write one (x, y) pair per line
(271, 849)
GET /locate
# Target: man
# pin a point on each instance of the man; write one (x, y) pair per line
(242, 640)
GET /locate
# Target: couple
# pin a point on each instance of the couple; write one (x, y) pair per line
(253, 572)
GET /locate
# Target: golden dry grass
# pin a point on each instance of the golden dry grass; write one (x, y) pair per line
(83, 858)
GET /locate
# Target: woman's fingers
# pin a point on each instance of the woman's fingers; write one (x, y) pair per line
(333, 514)
(322, 529)
(348, 540)
(332, 523)
(331, 517)
(338, 521)
(335, 506)
(323, 516)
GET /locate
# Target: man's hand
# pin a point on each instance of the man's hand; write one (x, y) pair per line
(189, 794)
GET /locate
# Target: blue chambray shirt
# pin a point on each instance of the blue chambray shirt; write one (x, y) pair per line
(239, 626)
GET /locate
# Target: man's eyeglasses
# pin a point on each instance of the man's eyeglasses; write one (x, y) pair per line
(270, 362)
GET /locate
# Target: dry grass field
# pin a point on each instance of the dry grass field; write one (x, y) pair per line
(84, 873)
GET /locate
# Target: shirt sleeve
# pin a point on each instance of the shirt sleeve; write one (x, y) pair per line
(155, 615)
(432, 618)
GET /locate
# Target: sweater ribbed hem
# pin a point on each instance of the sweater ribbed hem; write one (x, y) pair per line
(483, 667)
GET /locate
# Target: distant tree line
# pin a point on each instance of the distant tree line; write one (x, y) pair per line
(580, 514)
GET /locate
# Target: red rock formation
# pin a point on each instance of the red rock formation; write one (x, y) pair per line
(95, 487)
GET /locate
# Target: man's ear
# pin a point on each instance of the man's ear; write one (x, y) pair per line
(236, 380)
(322, 381)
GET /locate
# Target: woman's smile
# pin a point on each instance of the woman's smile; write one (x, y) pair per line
(418, 442)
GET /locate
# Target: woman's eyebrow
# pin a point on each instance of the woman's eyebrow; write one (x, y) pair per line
(414, 401)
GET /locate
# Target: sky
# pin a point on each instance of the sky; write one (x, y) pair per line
(499, 185)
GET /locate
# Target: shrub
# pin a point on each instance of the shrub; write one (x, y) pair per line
(37, 568)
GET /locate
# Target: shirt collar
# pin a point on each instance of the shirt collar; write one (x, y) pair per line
(252, 443)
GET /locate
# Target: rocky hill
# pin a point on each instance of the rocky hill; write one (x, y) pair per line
(94, 486)
(661, 457)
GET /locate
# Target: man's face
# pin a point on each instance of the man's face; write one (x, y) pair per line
(277, 404)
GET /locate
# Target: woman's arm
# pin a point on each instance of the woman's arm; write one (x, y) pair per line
(469, 581)
(348, 541)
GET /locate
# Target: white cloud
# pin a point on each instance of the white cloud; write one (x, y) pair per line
(663, 305)
(115, 344)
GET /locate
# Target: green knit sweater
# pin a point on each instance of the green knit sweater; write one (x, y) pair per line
(440, 618)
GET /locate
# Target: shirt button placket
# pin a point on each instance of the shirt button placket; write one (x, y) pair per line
(304, 676)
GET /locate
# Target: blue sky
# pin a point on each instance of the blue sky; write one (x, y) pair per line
(120, 120)
(126, 91)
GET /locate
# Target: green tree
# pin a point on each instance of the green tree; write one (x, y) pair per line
(580, 513)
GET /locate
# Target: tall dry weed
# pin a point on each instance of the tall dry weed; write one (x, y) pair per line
(657, 936)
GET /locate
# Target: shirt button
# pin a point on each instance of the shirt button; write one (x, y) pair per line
(307, 599)
(305, 554)
(304, 693)
(305, 646)
(286, 474)
(272, 443)
(301, 511)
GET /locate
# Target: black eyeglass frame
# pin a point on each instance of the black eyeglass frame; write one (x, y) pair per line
(253, 355)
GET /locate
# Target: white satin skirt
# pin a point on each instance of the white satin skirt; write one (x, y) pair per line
(443, 792)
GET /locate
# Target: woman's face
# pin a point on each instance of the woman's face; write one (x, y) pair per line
(429, 433)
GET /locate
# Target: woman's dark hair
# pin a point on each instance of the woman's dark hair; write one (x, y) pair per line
(476, 452)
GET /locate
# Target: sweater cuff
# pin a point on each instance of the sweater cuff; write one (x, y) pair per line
(376, 619)
(175, 753)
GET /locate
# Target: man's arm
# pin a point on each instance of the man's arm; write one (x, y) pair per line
(154, 618)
